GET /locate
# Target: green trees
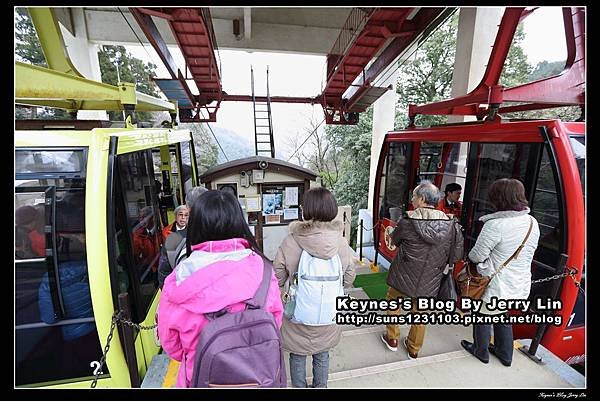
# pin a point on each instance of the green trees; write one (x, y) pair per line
(352, 146)
(427, 76)
(27, 46)
(131, 69)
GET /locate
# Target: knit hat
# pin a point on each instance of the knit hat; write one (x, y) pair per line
(25, 215)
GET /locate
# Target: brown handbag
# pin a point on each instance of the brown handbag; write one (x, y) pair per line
(471, 284)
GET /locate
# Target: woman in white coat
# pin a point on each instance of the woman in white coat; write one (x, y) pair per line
(508, 235)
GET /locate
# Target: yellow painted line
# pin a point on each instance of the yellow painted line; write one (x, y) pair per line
(171, 375)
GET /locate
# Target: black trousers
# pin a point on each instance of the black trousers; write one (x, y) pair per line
(503, 341)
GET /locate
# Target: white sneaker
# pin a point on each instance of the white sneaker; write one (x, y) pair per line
(405, 345)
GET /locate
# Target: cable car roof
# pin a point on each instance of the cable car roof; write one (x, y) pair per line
(130, 140)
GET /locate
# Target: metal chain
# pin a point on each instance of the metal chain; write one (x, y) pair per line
(115, 318)
(571, 273)
(113, 323)
(371, 229)
(137, 326)
(577, 284)
(555, 277)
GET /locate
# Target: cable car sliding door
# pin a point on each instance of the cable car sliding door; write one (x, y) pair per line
(136, 243)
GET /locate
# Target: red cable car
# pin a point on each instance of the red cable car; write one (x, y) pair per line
(548, 156)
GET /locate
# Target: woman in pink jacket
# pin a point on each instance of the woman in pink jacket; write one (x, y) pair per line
(224, 267)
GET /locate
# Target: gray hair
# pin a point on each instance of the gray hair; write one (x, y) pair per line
(193, 194)
(429, 192)
(179, 208)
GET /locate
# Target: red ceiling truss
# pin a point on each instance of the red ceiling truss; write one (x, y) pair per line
(370, 40)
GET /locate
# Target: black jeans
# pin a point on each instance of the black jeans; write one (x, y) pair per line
(503, 341)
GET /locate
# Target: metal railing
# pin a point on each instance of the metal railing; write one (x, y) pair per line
(205, 15)
(353, 25)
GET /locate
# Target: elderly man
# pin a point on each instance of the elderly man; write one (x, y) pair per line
(175, 242)
(182, 214)
(424, 237)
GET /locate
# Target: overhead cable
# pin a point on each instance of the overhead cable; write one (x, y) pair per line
(298, 148)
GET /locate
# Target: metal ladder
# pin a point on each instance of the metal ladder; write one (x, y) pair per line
(263, 124)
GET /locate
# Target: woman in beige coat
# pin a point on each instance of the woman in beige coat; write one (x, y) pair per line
(322, 238)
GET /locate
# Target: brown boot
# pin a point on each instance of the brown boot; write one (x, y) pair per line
(392, 345)
(410, 354)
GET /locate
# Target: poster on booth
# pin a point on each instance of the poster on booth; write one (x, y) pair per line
(272, 204)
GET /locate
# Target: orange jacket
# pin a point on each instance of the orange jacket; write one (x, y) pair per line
(38, 243)
(455, 209)
(146, 247)
(167, 230)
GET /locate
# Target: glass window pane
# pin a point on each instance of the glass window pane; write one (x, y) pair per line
(143, 222)
(47, 347)
(186, 166)
(578, 146)
(48, 161)
(395, 181)
(30, 240)
(545, 208)
(496, 160)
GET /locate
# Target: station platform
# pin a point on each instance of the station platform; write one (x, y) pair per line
(362, 360)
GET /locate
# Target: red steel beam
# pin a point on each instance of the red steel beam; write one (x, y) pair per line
(154, 12)
(567, 88)
(274, 99)
(481, 93)
(145, 22)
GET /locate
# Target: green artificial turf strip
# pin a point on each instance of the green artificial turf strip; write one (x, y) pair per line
(373, 284)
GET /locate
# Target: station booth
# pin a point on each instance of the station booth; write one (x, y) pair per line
(270, 192)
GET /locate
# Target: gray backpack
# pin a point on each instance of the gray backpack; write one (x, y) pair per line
(241, 349)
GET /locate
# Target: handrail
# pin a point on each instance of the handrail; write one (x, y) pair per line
(206, 17)
(352, 27)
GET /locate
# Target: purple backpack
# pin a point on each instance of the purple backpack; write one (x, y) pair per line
(241, 349)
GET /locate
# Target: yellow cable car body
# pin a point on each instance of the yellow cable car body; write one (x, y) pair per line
(110, 171)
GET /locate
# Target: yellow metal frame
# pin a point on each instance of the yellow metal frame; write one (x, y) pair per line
(51, 40)
(39, 86)
(62, 86)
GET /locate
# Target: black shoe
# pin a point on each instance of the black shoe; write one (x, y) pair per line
(469, 347)
(492, 350)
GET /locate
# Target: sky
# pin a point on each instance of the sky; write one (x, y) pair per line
(302, 76)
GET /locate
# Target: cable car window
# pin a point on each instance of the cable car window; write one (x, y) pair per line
(186, 166)
(429, 159)
(56, 336)
(443, 163)
(175, 177)
(48, 161)
(578, 147)
(494, 161)
(545, 208)
(136, 174)
(394, 182)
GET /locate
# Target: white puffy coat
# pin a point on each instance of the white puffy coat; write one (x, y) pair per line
(500, 236)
